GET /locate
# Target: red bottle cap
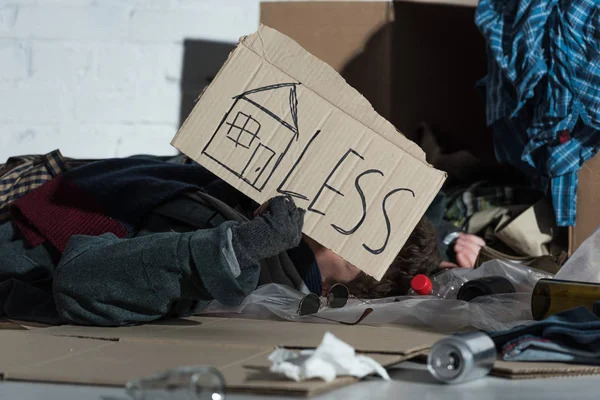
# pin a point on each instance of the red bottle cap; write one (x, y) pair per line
(421, 284)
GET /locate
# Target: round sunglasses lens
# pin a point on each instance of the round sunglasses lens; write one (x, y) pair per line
(338, 296)
(310, 304)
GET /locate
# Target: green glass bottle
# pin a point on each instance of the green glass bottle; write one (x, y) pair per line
(551, 296)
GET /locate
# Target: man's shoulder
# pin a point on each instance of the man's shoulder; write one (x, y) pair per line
(189, 211)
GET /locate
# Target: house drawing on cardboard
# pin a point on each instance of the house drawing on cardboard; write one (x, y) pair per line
(243, 143)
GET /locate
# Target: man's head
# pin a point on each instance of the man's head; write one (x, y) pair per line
(419, 255)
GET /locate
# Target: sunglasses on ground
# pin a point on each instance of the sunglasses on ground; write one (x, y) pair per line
(337, 297)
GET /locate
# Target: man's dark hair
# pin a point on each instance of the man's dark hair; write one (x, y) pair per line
(419, 255)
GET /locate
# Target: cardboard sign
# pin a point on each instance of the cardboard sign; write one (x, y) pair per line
(276, 120)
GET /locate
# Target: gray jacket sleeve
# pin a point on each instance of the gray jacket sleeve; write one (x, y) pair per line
(109, 281)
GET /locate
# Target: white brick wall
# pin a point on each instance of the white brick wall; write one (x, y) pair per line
(101, 78)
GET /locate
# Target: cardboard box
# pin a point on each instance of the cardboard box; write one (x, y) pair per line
(277, 120)
(588, 198)
(416, 60)
(337, 33)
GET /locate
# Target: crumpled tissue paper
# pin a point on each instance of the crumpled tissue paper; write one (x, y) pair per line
(331, 359)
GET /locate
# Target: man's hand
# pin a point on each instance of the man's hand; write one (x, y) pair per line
(285, 218)
(277, 227)
(467, 248)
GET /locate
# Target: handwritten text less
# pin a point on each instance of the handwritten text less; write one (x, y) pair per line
(369, 172)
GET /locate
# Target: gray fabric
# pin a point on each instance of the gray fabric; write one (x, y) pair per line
(25, 280)
(273, 269)
(109, 281)
(531, 348)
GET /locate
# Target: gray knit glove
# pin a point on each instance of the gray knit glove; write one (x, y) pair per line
(277, 230)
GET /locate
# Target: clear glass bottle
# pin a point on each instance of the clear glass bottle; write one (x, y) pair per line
(551, 296)
(183, 383)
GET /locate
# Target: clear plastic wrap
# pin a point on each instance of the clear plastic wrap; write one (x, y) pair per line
(583, 265)
(522, 277)
(495, 312)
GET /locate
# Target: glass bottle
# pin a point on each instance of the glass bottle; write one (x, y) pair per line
(551, 296)
(182, 383)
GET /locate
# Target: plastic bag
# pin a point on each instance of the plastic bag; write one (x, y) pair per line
(496, 312)
(583, 265)
(522, 277)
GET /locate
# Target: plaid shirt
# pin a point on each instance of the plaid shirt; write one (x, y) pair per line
(542, 90)
(22, 174)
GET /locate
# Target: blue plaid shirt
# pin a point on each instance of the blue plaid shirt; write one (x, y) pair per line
(542, 89)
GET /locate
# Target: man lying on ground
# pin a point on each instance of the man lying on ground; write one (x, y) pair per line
(126, 241)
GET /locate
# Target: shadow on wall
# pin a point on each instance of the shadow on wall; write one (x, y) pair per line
(448, 59)
(437, 57)
(430, 74)
(202, 60)
(370, 72)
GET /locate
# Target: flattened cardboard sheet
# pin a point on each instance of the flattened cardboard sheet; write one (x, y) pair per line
(110, 363)
(534, 370)
(237, 347)
(276, 120)
(392, 339)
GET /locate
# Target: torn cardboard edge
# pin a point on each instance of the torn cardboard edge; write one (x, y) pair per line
(536, 370)
(276, 120)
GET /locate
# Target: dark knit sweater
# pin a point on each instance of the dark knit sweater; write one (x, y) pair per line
(307, 267)
(109, 196)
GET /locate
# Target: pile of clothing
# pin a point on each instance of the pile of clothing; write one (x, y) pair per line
(516, 223)
(571, 336)
(124, 241)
